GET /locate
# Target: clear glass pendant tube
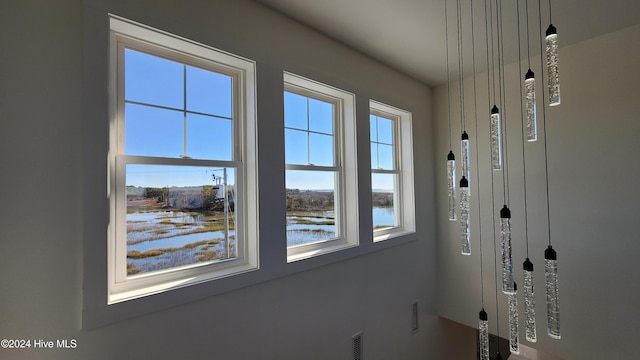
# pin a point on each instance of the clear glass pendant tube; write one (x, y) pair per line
(530, 106)
(451, 184)
(529, 303)
(466, 157)
(496, 141)
(483, 334)
(514, 344)
(465, 235)
(507, 260)
(553, 65)
(551, 283)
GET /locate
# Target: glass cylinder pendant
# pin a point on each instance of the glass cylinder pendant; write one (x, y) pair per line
(507, 260)
(451, 184)
(496, 142)
(483, 334)
(464, 217)
(553, 65)
(514, 344)
(530, 105)
(466, 158)
(529, 303)
(551, 283)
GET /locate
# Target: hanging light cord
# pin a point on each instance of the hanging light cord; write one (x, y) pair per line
(524, 166)
(503, 100)
(460, 67)
(526, 4)
(475, 107)
(486, 32)
(493, 198)
(544, 124)
(493, 65)
(446, 31)
(550, 22)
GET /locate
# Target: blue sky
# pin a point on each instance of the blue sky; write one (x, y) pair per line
(157, 94)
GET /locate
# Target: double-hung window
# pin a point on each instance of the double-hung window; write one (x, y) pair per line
(391, 171)
(321, 185)
(182, 163)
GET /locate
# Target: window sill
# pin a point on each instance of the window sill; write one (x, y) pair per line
(319, 251)
(391, 234)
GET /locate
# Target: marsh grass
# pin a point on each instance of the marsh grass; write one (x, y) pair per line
(135, 254)
(311, 222)
(309, 215)
(132, 269)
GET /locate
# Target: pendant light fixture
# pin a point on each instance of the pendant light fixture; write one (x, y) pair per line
(465, 223)
(505, 240)
(531, 135)
(464, 141)
(466, 157)
(483, 334)
(496, 142)
(496, 138)
(529, 84)
(505, 212)
(514, 344)
(553, 76)
(529, 302)
(451, 158)
(551, 283)
(483, 325)
(465, 243)
(550, 255)
(451, 184)
(530, 105)
(494, 120)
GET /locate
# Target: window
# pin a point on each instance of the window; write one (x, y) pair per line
(391, 171)
(182, 163)
(321, 185)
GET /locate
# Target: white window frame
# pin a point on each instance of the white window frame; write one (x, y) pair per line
(128, 34)
(346, 206)
(404, 199)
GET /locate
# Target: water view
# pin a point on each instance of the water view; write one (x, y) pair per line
(179, 226)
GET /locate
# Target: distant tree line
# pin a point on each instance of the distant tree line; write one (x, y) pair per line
(206, 197)
(307, 200)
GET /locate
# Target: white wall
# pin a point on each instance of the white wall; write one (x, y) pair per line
(592, 140)
(54, 118)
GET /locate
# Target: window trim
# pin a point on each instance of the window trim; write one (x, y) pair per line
(345, 163)
(404, 200)
(125, 33)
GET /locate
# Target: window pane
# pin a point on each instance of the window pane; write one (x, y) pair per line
(153, 80)
(295, 111)
(384, 204)
(296, 146)
(373, 132)
(177, 216)
(385, 157)
(320, 116)
(208, 92)
(209, 138)
(321, 148)
(385, 130)
(311, 201)
(374, 156)
(152, 131)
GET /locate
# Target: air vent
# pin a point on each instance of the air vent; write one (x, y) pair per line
(414, 317)
(357, 346)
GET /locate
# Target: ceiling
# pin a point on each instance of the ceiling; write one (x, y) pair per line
(409, 35)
